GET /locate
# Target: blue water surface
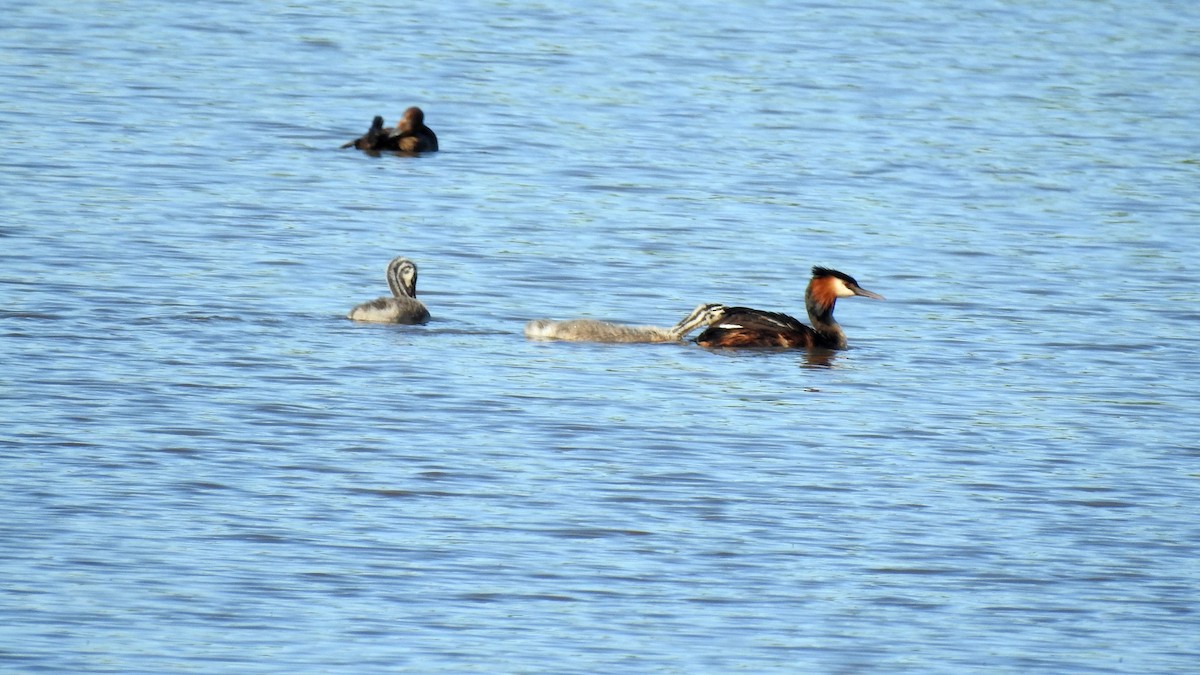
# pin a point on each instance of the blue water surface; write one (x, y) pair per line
(207, 468)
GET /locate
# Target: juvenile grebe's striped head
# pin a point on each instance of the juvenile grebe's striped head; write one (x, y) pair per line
(402, 277)
(703, 315)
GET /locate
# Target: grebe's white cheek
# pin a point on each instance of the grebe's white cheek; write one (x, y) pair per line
(840, 289)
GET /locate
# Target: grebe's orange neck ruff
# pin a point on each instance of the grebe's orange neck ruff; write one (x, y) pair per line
(821, 296)
(819, 299)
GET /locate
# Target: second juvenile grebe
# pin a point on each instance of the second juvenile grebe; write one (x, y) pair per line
(403, 306)
(591, 330)
(745, 327)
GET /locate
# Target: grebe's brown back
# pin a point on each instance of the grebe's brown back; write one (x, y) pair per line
(403, 306)
(591, 330)
(746, 327)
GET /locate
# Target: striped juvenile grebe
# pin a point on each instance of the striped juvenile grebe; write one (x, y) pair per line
(591, 330)
(403, 306)
(745, 327)
(409, 135)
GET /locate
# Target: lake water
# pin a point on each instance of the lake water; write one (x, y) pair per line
(207, 468)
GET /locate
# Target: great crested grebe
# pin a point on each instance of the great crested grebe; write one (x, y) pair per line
(403, 306)
(745, 327)
(591, 330)
(409, 135)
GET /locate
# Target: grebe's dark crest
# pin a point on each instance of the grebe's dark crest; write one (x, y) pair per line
(591, 330)
(410, 135)
(403, 306)
(746, 327)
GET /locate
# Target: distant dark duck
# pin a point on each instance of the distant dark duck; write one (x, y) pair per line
(403, 306)
(591, 330)
(409, 135)
(745, 327)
